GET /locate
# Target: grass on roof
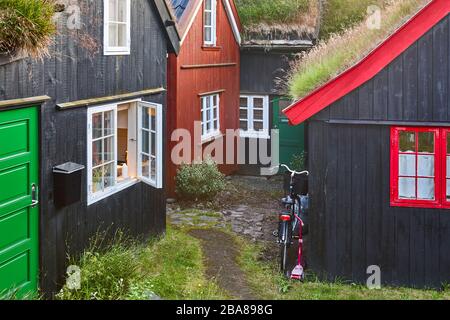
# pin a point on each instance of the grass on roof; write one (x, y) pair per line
(333, 56)
(339, 15)
(253, 12)
(26, 25)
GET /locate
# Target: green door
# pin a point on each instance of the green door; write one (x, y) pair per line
(18, 205)
(292, 138)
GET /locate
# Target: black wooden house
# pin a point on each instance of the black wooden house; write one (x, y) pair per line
(379, 148)
(82, 138)
(267, 52)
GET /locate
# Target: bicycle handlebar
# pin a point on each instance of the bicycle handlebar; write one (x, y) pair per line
(293, 171)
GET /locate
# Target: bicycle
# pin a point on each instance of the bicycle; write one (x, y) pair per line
(291, 223)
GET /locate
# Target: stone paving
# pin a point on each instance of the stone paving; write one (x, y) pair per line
(255, 217)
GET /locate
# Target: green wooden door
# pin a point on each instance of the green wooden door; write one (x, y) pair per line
(18, 210)
(292, 138)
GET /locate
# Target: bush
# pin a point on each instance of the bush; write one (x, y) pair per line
(298, 162)
(199, 181)
(26, 25)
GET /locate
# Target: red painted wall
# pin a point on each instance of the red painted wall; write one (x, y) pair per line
(185, 85)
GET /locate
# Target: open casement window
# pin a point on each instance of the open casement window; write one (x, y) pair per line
(419, 162)
(254, 116)
(124, 147)
(210, 116)
(210, 23)
(150, 150)
(117, 26)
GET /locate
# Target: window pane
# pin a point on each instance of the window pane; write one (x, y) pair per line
(208, 4)
(113, 10)
(258, 126)
(208, 34)
(216, 125)
(215, 100)
(258, 114)
(407, 165)
(97, 180)
(122, 35)
(122, 13)
(96, 125)
(145, 142)
(152, 113)
(425, 166)
(448, 166)
(208, 18)
(113, 37)
(108, 178)
(108, 153)
(243, 114)
(153, 144)
(426, 142)
(244, 125)
(425, 189)
(145, 119)
(153, 169)
(215, 115)
(448, 142)
(97, 153)
(448, 189)
(407, 188)
(145, 166)
(407, 141)
(258, 103)
(108, 123)
(243, 103)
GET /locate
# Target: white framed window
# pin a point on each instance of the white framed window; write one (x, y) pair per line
(124, 147)
(254, 116)
(117, 27)
(210, 23)
(150, 150)
(210, 116)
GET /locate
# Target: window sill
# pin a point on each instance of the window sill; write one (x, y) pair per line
(211, 48)
(254, 135)
(117, 53)
(117, 188)
(212, 137)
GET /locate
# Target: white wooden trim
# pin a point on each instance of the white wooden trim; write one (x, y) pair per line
(115, 51)
(251, 132)
(93, 198)
(158, 183)
(234, 25)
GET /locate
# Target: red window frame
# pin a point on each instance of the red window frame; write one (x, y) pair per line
(440, 168)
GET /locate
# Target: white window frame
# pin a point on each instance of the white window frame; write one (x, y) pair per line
(213, 25)
(158, 131)
(251, 132)
(117, 187)
(112, 50)
(213, 132)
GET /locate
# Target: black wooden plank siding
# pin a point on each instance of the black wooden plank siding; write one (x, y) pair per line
(71, 73)
(353, 225)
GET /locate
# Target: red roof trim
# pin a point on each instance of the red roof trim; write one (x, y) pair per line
(371, 65)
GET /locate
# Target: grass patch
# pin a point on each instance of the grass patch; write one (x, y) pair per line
(26, 25)
(253, 12)
(132, 271)
(339, 15)
(331, 57)
(268, 283)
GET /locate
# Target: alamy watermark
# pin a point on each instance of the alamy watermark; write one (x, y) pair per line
(374, 279)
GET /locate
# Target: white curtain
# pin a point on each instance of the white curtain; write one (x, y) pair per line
(407, 185)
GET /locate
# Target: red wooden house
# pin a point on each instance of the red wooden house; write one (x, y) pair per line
(204, 79)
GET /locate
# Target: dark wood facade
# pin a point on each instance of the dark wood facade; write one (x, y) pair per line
(199, 70)
(353, 224)
(77, 69)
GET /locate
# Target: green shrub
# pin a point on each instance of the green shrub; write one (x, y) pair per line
(298, 162)
(26, 25)
(199, 181)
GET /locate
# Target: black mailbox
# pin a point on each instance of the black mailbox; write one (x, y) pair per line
(67, 183)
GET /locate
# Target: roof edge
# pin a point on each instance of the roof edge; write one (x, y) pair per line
(167, 20)
(370, 65)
